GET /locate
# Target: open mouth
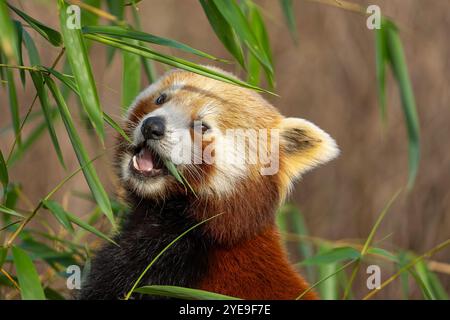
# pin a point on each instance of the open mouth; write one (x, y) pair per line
(147, 163)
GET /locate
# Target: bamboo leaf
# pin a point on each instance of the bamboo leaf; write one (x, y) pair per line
(73, 218)
(328, 289)
(293, 221)
(32, 51)
(4, 178)
(180, 178)
(332, 256)
(431, 282)
(404, 277)
(131, 77)
(400, 70)
(59, 213)
(81, 68)
(8, 40)
(69, 81)
(10, 211)
(19, 30)
(116, 8)
(233, 14)
(381, 60)
(288, 11)
(121, 32)
(89, 18)
(30, 284)
(38, 81)
(257, 25)
(182, 293)
(14, 105)
(382, 252)
(92, 179)
(116, 127)
(175, 62)
(3, 254)
(223, 30)
(368, 242)
(53, 36)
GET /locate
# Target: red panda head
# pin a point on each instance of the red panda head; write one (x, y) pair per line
(235, 150)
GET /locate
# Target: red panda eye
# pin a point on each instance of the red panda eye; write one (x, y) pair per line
(161, 99)
(203, 127)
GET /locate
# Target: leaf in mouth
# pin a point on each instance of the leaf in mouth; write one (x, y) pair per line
(178, 175)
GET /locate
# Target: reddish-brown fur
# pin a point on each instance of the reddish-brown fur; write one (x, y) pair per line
(257, 268)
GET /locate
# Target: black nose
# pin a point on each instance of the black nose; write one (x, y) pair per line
(153, 128)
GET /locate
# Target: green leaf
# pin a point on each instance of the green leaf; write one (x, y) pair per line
(30, 284)
(88, 227)
(53, 36)
(149, 70)
(4, 178)
(294, 221)
(116, 8)
(223, 30)
(8, 40)
(40, 251)
(175, 62)
(32, 51)
(328, 289)
(81, 68)
(59, 213)
(92, 179)
(403, 260)
(90, 18)
(3, 254)
(257, 24)
(183, 293)
(116, 127)
(233, 14)
(288, 12)
(400, 70)
(180, 178)
(431, 282)
(19, 29)
(70, 83)
(383, 252)
(38, 81)
(131, 77)
(10, 211)
(116, 31)
(14, 105)
(68, 80)
(381, 60)
(52, 294)
(332, 256)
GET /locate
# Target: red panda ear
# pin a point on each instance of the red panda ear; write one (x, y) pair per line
(304, 146)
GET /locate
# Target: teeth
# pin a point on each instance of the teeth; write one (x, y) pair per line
(135, 164)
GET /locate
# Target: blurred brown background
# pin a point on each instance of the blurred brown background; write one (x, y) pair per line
(329, 78)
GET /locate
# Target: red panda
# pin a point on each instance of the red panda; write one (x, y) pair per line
(238, 252)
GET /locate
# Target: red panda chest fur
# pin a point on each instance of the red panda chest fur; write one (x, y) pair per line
(257, 268)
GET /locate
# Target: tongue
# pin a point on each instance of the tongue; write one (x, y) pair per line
(143, 161)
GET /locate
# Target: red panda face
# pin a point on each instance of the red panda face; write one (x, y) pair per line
(236, 151)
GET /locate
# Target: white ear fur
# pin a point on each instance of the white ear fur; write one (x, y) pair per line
(305, 146)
